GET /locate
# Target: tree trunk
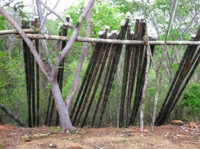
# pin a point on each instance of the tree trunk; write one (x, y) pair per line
(65, 121)
(156, 99)
(145, 84)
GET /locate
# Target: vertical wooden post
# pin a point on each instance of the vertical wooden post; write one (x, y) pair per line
(37, 80)
(25, 24)
(32, 74)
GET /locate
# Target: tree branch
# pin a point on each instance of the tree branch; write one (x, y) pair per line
(56, 14)
(171, 19)
(80, 61)
(47, 14)
(76, 31)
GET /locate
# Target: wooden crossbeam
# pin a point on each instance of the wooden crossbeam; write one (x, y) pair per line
(97, 40)
(117, 41)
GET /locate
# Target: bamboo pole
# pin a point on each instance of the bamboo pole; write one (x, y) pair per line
(184, 86)
(37, 87)
(26, 53)
(189, 63)
(89, 68)
(14, 117)
(95, 76)
(183, 69)
(113, 69)
(105, 80)
(125, 79)
(97, 82)
(133, 71)
(96, 52)
(48, 108)
(91, 84)
(113, 41)
(83, 39)
(5, 32)
(140, 72)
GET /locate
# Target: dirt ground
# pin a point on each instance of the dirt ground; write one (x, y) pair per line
(163, 137)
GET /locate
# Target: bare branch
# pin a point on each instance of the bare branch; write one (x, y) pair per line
(80, 61)
(171, 19)
(76, 30)
(47, 14)
(55, 13)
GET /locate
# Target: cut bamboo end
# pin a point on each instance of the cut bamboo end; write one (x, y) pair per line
(128, 15)
(107, 28)
(36, 17)
(109, 35)
(123, 23)
(101, 33)
(68, 17)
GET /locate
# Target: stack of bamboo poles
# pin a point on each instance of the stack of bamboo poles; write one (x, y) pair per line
(186, 69)
(32, 77)
(102, 69)
(100, 74)
(133, 75)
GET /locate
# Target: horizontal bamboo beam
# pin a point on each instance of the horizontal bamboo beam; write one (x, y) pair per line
(130, 42)
(82, 39)
(5, 32)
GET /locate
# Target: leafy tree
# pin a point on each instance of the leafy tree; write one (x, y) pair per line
(191, 101)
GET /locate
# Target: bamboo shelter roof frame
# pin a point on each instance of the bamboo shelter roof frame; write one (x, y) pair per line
(97, 40)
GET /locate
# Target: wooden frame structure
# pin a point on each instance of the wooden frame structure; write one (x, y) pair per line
(104, 60)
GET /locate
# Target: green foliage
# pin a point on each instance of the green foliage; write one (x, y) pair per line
(56, 129)
(2, 145)
(12, 84)
(68, 80)
(191, 99)
(101, 15)
(2, 22)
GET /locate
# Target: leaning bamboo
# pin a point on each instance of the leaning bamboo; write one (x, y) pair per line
(189, 53)
(105, 80)
(185, 84)
(26, 54)
(190, 61)
(48, 108)
(96, 51)
(14, 117)
(96, 74)
(37, 87)
(140, 71)
(89, 89)
(113, 69)
(125, 80)
(85, 79)
(97, 83)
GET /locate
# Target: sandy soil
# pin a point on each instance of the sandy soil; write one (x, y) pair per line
(163, 137)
